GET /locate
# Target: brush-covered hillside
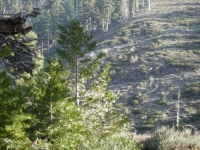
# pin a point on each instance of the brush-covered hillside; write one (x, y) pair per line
(153, 55)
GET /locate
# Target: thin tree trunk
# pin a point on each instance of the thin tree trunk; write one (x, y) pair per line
(90, 25)
(103, 25)
(76, 9)
(48, 39)
(136, 5)
(106, 25)
(51, 115)
(77, 92)
(178, 110)
(42, 45)
(149, 3)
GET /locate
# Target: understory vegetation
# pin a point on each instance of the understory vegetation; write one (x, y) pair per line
(171, 139)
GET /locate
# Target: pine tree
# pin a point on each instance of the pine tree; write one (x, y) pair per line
(57, 123)
(106, 8)
(90, 80)
(100, 114)
(12, 118)
(75, 43)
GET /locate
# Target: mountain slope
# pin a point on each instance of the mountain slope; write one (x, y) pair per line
(152, 56)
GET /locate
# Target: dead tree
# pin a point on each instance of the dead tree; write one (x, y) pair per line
(13, 35)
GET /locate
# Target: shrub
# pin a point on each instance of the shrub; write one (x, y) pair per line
(114, 41)
(125, 40)
(162, 102)
(158, 113)
(171, 139)
(152, 28)
(119, 141)
(135, 102)
(125, 32)
(150, 121)
(138, 111)
(143, 68)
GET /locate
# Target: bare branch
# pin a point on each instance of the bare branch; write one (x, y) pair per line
(48, 5)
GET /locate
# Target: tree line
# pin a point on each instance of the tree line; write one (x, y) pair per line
(92, 14)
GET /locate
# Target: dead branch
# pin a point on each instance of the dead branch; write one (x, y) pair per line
(13, 35)
(10, 29)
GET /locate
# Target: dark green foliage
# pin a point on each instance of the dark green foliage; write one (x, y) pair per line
(56, 117)
(135, 102)
(150, 121)
(44, 88)
(12, 120)
(74, 41)
(6, 51)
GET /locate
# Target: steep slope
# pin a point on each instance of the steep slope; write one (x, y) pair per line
(152, 56)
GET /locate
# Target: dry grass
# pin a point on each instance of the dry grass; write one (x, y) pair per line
(171, 139)
(139, 138)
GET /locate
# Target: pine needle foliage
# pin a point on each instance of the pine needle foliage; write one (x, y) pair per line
(90, 81)
(57, 123)
(12, 120)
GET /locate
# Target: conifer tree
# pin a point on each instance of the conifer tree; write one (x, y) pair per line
(74, 44)
(90, 79)
(100, 114)
(57, 123)
(12, 118)
(106, 8)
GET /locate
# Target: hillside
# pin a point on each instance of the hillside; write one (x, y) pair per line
(152, 56)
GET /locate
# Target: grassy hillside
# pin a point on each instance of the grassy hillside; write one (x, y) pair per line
(152, 56)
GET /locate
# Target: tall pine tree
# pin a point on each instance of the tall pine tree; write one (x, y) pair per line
(89, 79)
(74, 44)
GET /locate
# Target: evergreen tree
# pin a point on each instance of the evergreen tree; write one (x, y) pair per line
(75, 43)
(12, 118)
(106, 8)
(57, 123)
(90, 80)
(100, 114)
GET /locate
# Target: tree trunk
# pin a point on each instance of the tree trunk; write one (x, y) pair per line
(77, 89)
(136, 5)
(149, 4)
(51, 114)
(178, 110)
(103, 25)
(42, 44)
(48, 39)
(107, 25)
(90, 25)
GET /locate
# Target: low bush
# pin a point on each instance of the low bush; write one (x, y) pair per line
(138, 111)
(125, 40)
(150, 121)
(123, 141)
(171, 139)
(135, 102)
(162, 102)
